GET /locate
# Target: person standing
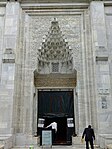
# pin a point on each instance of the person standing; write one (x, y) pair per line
(53, 125)
(89, 136)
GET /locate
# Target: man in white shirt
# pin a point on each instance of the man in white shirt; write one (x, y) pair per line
(53, 125)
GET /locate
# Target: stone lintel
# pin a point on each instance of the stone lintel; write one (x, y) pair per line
(58, 1)
(55, 80)
(40, 6)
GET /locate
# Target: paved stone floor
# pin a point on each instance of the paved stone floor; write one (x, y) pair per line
(57, 147)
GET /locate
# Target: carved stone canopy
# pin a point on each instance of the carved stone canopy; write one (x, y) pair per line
(54, 45)
(55, 49)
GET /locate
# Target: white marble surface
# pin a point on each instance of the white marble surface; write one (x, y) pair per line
(88, 32)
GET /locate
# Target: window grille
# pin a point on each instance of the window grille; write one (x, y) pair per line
(55, 67)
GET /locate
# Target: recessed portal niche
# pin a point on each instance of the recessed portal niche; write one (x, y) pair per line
(57, 106)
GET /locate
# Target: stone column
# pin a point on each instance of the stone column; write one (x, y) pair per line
(9, 56)
(98, 25)
(83, 86)
(27, 97)
(11, 41)
(2, 16)
(99, 53)
(76, 116)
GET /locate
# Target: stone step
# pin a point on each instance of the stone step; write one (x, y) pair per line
(76, 144)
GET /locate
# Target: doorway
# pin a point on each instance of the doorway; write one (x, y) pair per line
(57, 106)
(61, 134)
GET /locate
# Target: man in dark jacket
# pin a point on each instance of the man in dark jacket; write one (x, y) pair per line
(89, 136)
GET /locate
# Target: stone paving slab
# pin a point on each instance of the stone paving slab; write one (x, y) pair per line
(55, 147)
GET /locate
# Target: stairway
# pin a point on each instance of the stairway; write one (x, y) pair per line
(76, 144)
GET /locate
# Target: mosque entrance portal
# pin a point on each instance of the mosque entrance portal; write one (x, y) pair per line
(56, 70)
(57, 106)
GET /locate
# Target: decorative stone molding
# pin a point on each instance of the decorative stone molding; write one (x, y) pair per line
(101, 54)
(72, 33)
(55, 80)
(103, 91)
(8, 56)
(59, 1)
(101, 58)
(55, 49)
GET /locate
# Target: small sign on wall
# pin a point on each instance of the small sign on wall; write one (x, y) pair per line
(70, 122)
(47, 138)
(41, 122)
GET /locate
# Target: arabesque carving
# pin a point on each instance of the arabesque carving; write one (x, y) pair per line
(55, 49)
(40, 30)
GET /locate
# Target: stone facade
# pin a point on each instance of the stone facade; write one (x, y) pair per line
(85, 31)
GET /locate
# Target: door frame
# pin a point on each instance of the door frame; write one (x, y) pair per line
(35, 106)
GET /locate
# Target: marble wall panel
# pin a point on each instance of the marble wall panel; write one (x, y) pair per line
(98, 24)
(9, 30)
(2, 11)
